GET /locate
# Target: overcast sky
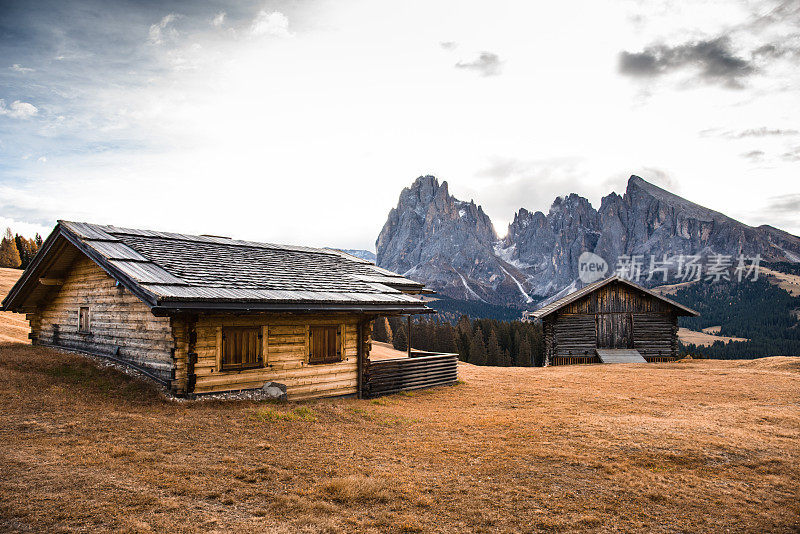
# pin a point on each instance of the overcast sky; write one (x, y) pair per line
(300, 122)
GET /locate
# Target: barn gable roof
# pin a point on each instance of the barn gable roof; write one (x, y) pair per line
(178, 272)
(586, 290)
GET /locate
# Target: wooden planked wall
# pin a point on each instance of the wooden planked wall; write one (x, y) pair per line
(614, 298)
(285, 352)
(573, 335)
(121, 324)
(655, 334)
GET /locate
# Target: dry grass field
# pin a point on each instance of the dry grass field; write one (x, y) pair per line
(13, 326)
(693, 446)
(707, 337)
(789, 282)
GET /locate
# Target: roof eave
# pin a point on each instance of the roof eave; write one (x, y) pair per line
(31, 271)
(169, 307)
(577, 295)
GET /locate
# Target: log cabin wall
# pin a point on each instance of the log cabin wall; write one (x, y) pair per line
(573, 335)
(655, 335)
(120, 324)
(180, 335)
(285, 352)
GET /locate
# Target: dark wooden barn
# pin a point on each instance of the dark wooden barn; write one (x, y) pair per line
(611, 321)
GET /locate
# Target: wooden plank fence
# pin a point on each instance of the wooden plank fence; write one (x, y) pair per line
(384, 377)
(659, 359)
(574, 360)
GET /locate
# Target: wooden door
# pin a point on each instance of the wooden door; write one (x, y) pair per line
(614, 331)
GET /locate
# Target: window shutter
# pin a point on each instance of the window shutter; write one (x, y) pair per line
(324, 344)
(241, 348)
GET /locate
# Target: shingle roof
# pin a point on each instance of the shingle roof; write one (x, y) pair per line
(575, 295)
(169, 270)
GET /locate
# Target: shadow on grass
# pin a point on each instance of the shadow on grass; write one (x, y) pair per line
(76, 372)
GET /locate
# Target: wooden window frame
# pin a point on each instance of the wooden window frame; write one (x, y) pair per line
(258, 364)
(338, 357)
(87, 328)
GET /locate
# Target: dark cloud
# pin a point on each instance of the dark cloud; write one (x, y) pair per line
(754, 155)
(765, 132)
(792, 155)
(789, 204)
(486, 64)
(715, 59)
(751, 132)
(449, 45)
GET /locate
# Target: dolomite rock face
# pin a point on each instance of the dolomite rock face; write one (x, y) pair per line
(451, 245)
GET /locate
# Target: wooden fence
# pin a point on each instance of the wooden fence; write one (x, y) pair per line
(422, 370)
(659, 359)
(574, 360)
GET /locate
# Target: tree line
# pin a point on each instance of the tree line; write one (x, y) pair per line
(477, 341)
(17, 251)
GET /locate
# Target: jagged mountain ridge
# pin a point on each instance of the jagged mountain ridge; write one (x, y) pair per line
(451, 245)
(360, 253)
(446, 242)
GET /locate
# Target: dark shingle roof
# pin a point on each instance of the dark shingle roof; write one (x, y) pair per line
(169, 270)
(575, 295)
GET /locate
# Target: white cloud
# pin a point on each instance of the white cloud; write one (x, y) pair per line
(42, 159)
(275, 24)
(219, 19)
(18, 110)
(16, 67)
(486, 63)
(163, 30)
(23, 228)
(332, 126)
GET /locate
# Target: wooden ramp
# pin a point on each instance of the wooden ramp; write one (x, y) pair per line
(620, 356)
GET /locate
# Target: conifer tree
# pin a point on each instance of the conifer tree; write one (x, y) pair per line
(477, 349)
(381, 330)
(493, 351)
(524, 357)
(9, 255)
(505, 359)
(399, 339)
(451, 338)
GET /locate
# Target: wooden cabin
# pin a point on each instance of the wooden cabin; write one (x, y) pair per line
(611, 321)
(204, 314)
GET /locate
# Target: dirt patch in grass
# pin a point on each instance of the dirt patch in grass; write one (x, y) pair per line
(270, 413)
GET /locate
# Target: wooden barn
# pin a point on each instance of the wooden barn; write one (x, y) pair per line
(611, 321)
(205, 314)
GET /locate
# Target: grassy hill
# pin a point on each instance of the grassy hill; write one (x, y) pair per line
(763, 311)
(699, 445)
(13, 326)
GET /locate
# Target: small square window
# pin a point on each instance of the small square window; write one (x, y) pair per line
(83, 319)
